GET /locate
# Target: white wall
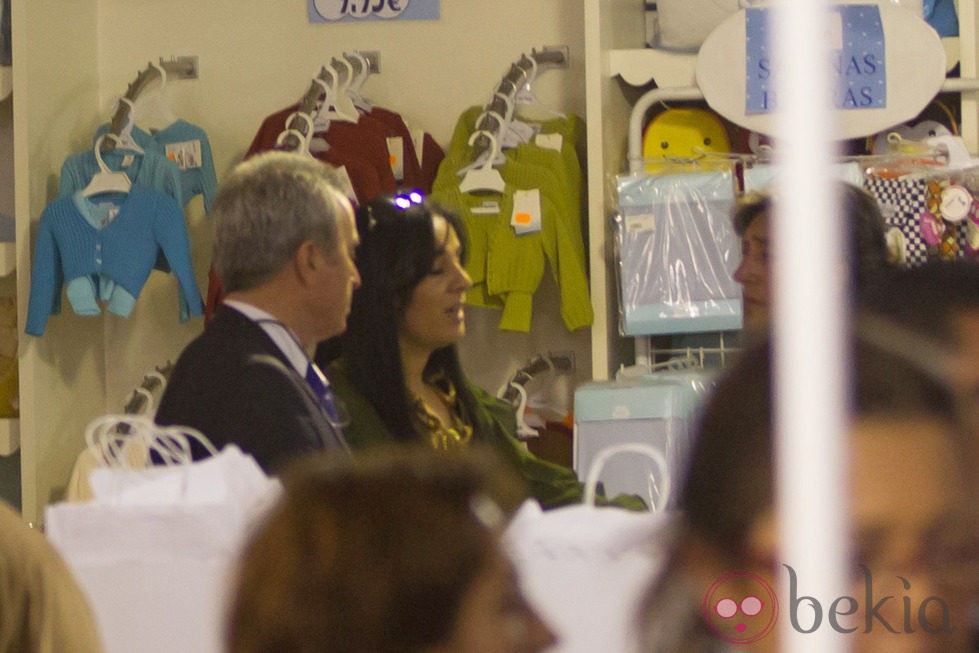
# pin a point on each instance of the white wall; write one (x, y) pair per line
(257, 57)
(62, 374)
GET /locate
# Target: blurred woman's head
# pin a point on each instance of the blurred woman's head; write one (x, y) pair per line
(398, 551)
(866, 254)
(908, 508)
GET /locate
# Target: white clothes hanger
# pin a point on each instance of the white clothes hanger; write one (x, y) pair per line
(514, 131)
(141, 401)
(155, 110)
(484, 177)
(344, 101)
(158, 376)
(508, 102)
(106, 180)
(302, 146)
(524, 431)
(354, 88)
(494, 153)
(321, 121)
(328, 108)
(148, 403)
(528, 106)
(124, 139)
(313, 144)
(501, 122)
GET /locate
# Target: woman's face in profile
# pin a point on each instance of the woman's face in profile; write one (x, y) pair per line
(494, 617)
(434, 316)
(754, 275)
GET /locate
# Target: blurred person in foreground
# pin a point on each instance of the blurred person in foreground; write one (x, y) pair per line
(913, 524)
(42, 607)
(938, 300)
(397, 551)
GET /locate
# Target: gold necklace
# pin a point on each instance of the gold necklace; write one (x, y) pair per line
(442, 437)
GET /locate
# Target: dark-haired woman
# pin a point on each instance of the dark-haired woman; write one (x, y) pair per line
(398, 373)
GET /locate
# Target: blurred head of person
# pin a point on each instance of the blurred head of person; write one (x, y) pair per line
(396, 551)
(938, 300)
(866, 253)
(914, 531)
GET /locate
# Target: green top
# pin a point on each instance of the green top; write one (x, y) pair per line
(506, 268)
(551, 484)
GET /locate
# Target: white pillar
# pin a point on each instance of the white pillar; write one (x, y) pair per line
(810, 320)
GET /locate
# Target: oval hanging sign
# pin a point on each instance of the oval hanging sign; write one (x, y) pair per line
(328, 11)
(888, 64)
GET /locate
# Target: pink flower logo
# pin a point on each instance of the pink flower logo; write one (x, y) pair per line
(740, 607)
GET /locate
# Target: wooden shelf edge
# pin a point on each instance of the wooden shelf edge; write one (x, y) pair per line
(8, 258)
(9, 435)
(6, 81)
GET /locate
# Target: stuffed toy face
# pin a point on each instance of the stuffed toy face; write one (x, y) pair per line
(684, 133)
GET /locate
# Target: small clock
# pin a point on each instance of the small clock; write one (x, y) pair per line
(956, 203)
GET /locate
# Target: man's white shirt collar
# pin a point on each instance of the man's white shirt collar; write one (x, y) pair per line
(281, 335)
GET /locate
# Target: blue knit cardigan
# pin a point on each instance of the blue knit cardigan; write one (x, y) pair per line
(70, 248)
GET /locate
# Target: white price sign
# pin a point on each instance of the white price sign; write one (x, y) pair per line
(356, 10)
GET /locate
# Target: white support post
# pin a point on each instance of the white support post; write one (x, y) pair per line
(810, 320)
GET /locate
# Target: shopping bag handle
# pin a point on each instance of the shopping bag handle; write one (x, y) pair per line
(113, 447)
(662, 489)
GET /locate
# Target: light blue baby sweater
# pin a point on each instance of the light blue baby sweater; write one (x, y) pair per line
(74, 248)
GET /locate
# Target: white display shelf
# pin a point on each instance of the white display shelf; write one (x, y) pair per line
(639, 66)
(9, 436)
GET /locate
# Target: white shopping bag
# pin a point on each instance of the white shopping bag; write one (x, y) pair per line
(585, 568)
(154, 549)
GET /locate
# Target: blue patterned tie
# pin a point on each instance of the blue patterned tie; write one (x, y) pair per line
(317, 381)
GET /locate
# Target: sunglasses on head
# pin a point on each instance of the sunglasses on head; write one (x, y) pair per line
(407, 200)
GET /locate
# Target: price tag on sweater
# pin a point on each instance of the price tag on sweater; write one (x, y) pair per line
(526, 218)
(396, 154)
(186, 154)
(488, 207)
(549, 141)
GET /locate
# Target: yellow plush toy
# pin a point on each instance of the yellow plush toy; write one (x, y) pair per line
(678, 137)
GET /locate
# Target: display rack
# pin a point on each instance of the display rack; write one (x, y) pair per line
(615, 38)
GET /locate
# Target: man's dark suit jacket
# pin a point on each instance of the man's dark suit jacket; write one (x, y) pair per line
(235, 385)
